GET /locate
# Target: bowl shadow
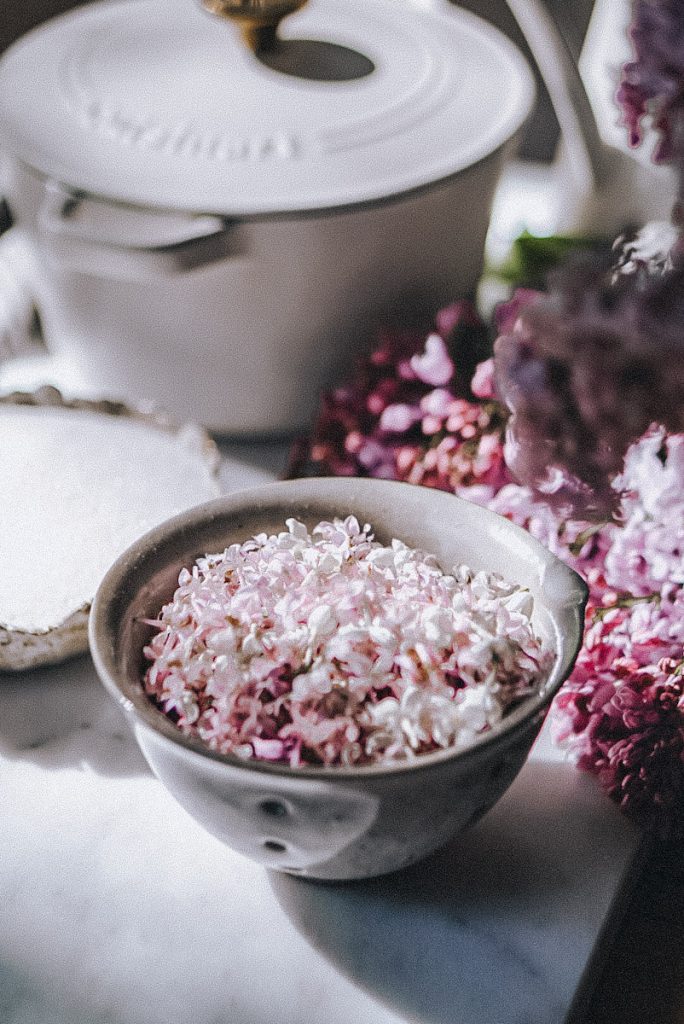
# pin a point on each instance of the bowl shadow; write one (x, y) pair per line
(61, 717)
(497, 927)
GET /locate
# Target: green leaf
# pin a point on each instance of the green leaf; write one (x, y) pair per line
(532, 257)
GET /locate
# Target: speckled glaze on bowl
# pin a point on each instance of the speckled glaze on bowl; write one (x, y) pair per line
(333, 823)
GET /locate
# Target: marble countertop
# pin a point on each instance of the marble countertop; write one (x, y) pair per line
(116, 908)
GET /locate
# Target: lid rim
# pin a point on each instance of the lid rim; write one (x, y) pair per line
(151, 179)
(279, 214)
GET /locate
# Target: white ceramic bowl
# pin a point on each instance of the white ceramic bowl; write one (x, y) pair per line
(333, 823)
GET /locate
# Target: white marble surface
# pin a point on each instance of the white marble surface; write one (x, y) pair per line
(116, 908)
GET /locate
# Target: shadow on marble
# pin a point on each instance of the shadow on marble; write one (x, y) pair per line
(251, 463)
(471, 933)
(22, 1002)
(61, 717)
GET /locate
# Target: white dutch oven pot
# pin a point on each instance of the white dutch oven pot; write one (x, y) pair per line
(216, 232)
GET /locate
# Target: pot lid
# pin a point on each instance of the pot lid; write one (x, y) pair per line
(158, 103)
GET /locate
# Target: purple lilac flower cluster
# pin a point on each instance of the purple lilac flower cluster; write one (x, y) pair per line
(653, 83)
(585, 369)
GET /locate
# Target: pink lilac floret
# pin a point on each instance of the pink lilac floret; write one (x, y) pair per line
(329, 648)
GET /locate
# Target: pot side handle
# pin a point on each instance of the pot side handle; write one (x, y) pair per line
(17, 298)
(114, 240)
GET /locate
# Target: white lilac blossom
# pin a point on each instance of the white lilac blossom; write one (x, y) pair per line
(648, 551)
(641, 549)
(329, 648)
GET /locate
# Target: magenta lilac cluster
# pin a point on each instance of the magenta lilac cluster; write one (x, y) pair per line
(417, 409)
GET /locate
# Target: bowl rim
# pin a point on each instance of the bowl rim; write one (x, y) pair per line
(104, 628)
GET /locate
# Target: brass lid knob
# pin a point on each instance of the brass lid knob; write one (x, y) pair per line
(257, 20)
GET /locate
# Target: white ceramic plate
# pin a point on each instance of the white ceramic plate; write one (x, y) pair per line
(80, 482)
